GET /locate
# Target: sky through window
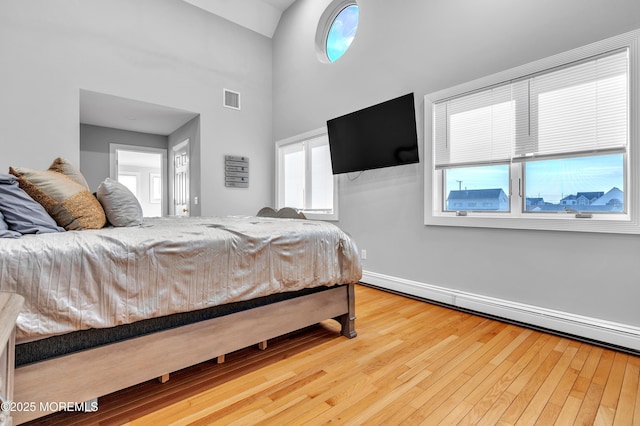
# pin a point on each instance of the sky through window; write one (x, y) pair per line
(343, 30)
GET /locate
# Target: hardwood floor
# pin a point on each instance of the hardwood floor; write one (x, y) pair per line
(412, 363)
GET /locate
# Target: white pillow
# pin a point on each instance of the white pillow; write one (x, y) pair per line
(120, 205)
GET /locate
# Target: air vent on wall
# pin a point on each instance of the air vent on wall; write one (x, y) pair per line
(231, 99)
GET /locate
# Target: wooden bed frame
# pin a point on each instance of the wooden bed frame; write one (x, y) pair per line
(86, 375)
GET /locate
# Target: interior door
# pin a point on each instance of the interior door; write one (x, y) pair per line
(181, 179)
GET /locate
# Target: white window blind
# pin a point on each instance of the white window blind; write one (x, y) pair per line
(293, 175)
(304, 178)
(320, 175)
(578, 109)
(475, 129)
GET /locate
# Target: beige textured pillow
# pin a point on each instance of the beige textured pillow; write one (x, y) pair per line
(61, 165)
(70, 204)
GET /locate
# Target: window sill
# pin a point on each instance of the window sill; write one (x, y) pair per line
(621, 224)
(321, 216)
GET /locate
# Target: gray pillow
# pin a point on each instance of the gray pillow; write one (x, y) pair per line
(5, 232)
(21, 212)
(120, 205)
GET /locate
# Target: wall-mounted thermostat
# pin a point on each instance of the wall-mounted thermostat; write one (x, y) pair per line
(236, 171)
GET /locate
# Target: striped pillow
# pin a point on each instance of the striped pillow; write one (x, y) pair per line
(61, 165)
(70, 204)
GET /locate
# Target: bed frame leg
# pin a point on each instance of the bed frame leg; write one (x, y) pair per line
(220, 359)
(348, 320)
(164, 378)
(262, 345)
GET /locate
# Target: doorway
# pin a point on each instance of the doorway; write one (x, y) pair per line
(181, 173)
(143, 171)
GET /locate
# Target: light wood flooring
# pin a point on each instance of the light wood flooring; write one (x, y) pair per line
(412, 363)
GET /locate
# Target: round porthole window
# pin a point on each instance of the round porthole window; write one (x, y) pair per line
(337, 29)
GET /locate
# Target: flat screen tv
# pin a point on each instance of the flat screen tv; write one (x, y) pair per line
(381, 135)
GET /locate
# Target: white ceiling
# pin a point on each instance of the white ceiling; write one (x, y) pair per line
(261, 16)
(99, 109)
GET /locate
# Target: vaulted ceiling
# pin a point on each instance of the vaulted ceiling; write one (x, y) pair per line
(261, 16)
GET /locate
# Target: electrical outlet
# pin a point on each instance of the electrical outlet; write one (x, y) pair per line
(363, 254)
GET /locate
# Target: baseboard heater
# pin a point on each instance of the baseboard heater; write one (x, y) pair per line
(400, 287)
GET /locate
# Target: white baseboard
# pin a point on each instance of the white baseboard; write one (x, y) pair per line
(626, 336)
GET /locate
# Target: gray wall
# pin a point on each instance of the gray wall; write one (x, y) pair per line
(94, 149)
(191, 131)
(164, 52)
(423, 46)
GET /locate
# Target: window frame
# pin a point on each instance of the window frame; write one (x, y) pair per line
(298, 139)
(324, 26)
(519, 218)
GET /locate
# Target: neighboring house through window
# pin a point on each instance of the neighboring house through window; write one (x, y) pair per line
(549, 145)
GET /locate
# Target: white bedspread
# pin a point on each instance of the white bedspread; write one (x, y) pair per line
(92, 279)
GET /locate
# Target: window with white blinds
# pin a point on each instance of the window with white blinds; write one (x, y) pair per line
(547, 143)
(475, 129)
(304, 179)
(581, 108)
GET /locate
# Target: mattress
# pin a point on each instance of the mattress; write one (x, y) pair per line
(78, 280)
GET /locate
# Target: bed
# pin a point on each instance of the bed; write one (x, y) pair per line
(106, 309)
